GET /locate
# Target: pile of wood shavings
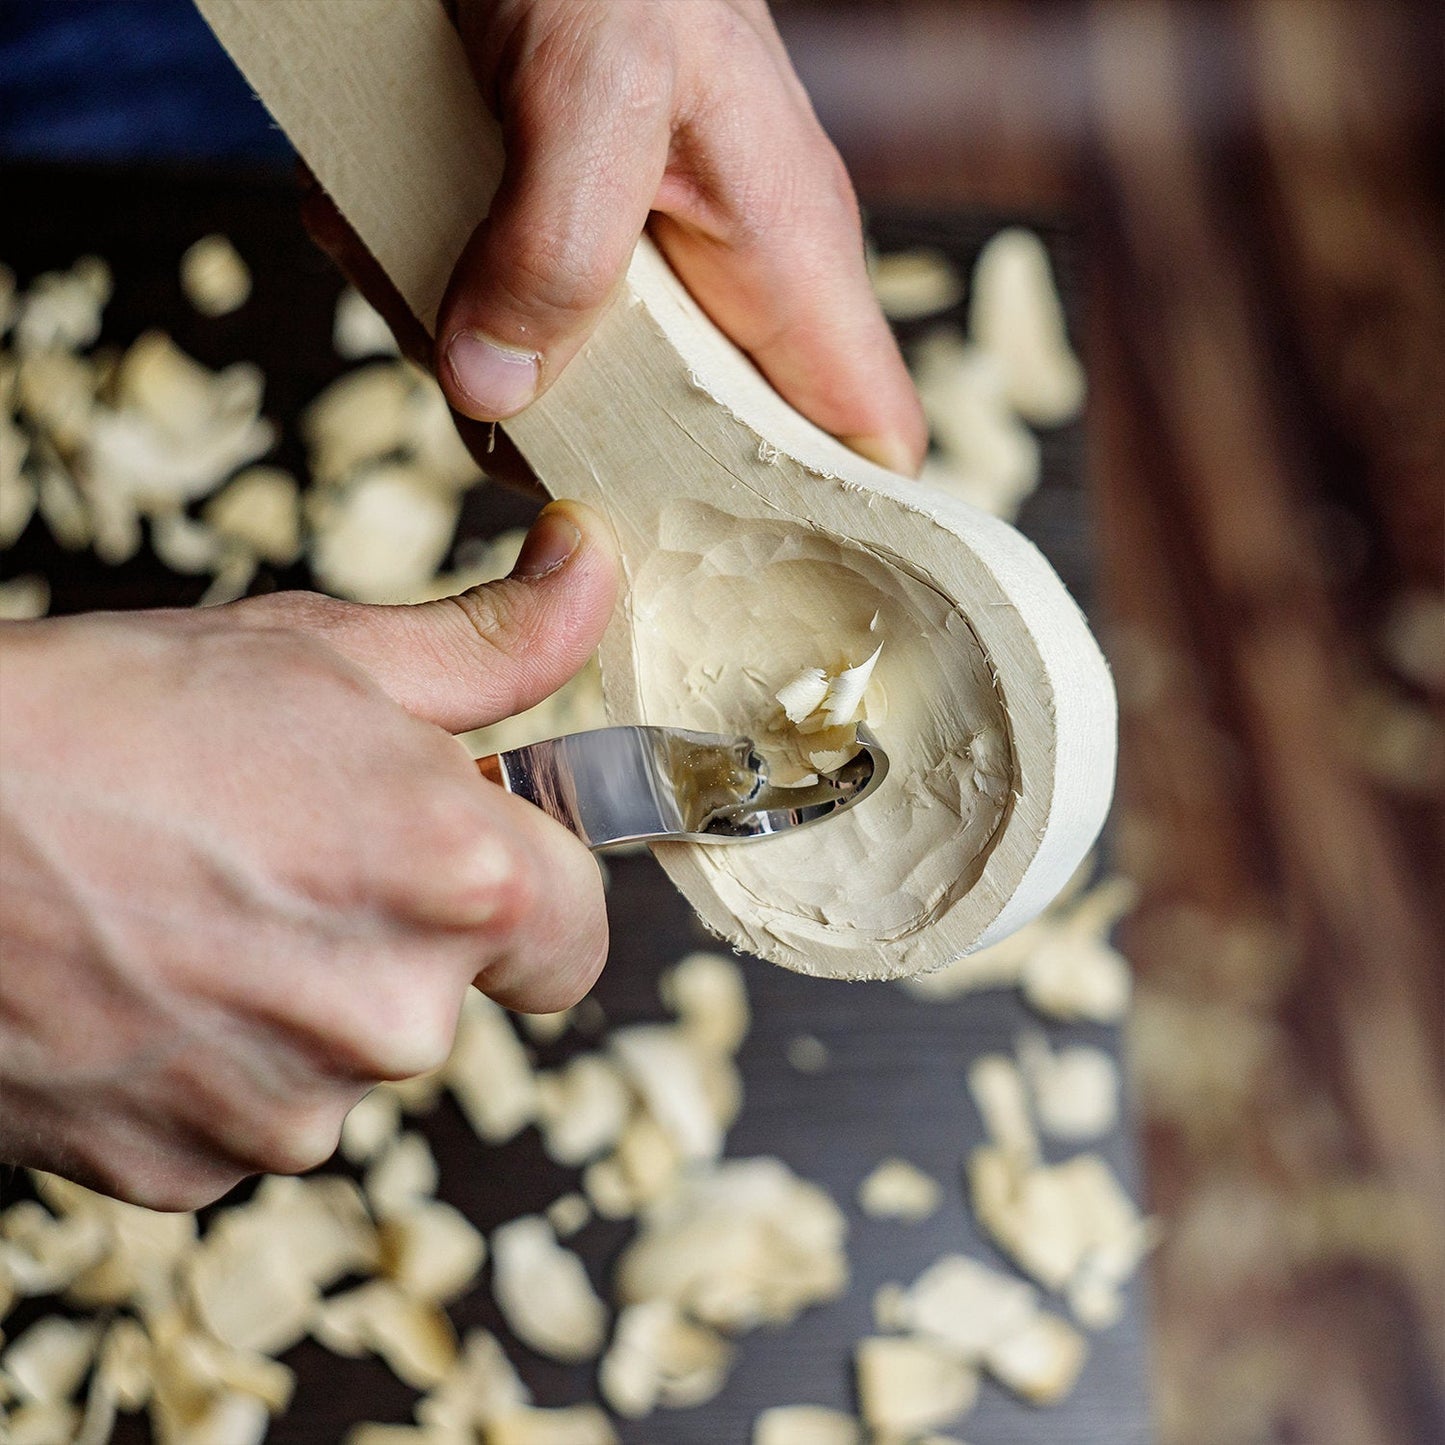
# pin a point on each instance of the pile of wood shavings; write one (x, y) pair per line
(186, 1324)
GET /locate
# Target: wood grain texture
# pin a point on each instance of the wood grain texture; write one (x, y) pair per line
(662, 417)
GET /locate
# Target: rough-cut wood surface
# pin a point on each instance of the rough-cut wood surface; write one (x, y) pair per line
(1262, 189)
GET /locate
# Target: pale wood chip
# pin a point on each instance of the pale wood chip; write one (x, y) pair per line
(805, 1425)
(413, 1336)
(582, 1108)
(808, 1054)
(906, 1386)
(1015, 315)
(259, 509)
(402, 1174)
(743, 1244)
(913, 284)
(670, 1073)
(481, 1386)
(997, 1087)
(709, 995)
(963, 1304)
(383, 534)
(577, 1425)
(431, 1250)
(42, 1422)
(568, 1214)
(214, 277)
(489, 1072)
(358, 330)
(896, 1189)
(48, 1361)
(1041, 1362)
(544, 1293)
(42, 1253)
(658, 1357)
(1075, 1089)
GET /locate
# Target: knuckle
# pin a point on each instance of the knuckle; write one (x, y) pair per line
(564, 270)
(504, 621)
(408, 1030)
(295, 1140)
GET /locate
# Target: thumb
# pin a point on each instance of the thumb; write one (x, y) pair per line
(583, 164)
(462, 662)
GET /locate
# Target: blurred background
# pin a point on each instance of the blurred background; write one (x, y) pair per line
(1247, 201)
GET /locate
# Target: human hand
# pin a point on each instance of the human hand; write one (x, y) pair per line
(246, 872)
(685, 118)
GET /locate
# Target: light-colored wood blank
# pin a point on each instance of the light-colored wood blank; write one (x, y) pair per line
(753, 544)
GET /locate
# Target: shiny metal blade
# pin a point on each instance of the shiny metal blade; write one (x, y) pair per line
(630, 784)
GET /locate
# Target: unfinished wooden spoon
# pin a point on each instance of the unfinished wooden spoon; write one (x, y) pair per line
(753, 545)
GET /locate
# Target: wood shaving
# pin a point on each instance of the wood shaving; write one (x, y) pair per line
(1053, 1220)
(746, 1244)
(61, 310)
(568, 1214)
(578, 1425)
(907, 1386)
(582, 1108)
(175, 429)
(896, 1189)
(805, 1425)
(372, 1124)
(708, 994)
(913, 284)
(658, 1357)
(41, 1254)
(18, 493)
(963, 1304)
(479, 1388)
(670, 1075)
(260, 511)
(214, 277)
(817, 729)
(543, 1292)
(358, 330)
(383, 535)
(607, 1190)
(997, 1087)
(1070, 977)
(808, 1054)
(1016, 317)
(24, 598)
(50, 1359)
(649, 1158)
(413, 1336)
(401, 1176)
(489, 1072)
(545, 1028)
(1074, 1090)
(432, 1251)
(184, 544)
(986, 455)
(1041, 1362)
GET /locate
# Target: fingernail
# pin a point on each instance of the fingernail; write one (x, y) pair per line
(498, 382)
(886, 451)
(553, 539)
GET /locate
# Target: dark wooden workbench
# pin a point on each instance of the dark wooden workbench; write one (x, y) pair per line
(896, 1080)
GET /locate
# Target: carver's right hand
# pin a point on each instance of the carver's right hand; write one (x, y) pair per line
(246, 871)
